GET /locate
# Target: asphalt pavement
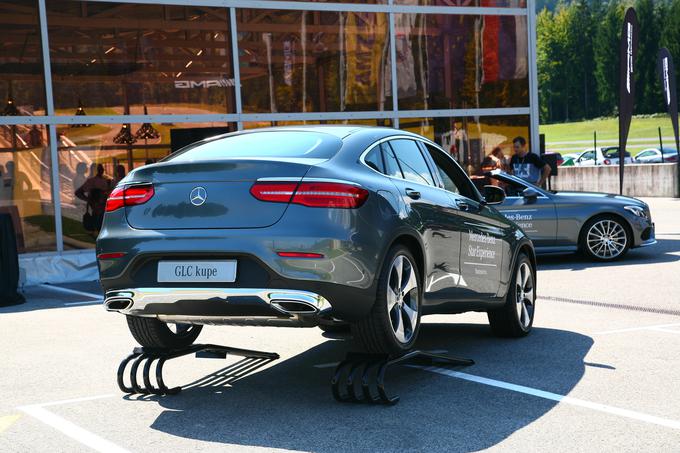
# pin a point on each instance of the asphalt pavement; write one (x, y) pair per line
(600, 372)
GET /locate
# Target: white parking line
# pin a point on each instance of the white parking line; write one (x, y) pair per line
(659, 329)
(71, 291)
(669, 423)
(86, 302)
(70, 429)
(633, 329)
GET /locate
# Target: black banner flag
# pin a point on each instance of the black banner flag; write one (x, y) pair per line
(669, 89)
(628, 53)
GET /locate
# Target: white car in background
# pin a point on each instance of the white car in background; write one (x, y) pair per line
(602, 155)
(653, 156)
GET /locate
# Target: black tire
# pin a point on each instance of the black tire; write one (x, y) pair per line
(506, 321)
(9, 264)
(335, 328)
(589, 249)
(376, 333)
(152, 333)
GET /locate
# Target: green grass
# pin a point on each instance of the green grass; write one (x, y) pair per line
(565, 137)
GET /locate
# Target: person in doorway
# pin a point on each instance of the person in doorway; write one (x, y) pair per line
(526, 165)
(120, 174)
(94, 191)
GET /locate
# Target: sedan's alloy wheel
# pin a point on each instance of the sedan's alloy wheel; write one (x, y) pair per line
(606, 239)
(402, 298)
(524, 294)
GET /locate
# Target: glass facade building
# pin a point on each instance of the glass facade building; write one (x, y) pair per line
(84, 83)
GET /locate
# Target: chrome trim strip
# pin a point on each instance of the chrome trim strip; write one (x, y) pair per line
(141, 297)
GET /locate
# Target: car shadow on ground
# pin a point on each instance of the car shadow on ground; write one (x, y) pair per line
(289, 405)
(664, 251)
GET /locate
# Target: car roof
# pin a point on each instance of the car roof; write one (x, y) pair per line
(339, 130)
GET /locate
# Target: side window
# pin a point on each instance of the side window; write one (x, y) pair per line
(411, 161)
(391, 165)
(455, 180)
(374, 160)
(512, 188)
(590, 155)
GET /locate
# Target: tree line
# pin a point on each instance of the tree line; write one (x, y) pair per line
(578, 56)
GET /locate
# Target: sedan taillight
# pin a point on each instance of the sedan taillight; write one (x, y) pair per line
(311, 194)
(129, 196)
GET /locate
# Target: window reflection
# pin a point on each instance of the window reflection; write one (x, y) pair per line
(386, 122)
(313, 61)
(111, 58)
(22, 89)
(461, 61)
(25, 186)
(482, 3)
(94, 158)
(470, 140)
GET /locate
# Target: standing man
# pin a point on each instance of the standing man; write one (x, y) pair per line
(528, 166)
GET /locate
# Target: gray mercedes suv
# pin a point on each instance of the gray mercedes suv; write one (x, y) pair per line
(331, 226)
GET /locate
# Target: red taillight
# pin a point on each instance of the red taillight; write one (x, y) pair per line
(276, 192)
(311, 194)
(110, 256)
(299, 255)
(607, 162)
(129, 196)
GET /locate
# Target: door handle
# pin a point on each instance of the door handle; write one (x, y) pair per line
(414, 194)
(462, 205)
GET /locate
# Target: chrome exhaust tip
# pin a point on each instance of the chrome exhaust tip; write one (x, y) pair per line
(118, 301)
(294, 306)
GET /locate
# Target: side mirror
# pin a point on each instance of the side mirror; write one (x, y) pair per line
(493, 195)
(530, 193)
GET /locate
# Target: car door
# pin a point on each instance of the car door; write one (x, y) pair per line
(484, 240)
(586, 159)
(535, 215)
(430, 211)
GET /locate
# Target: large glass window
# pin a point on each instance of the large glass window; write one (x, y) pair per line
(483, 3)
(471, 140)
(447, 61)
(313, 61)
(25, 186)
(117, 148)
(115, 58)
(22, 90)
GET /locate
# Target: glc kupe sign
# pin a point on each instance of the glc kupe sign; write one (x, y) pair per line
(628, 53)
(669, 89)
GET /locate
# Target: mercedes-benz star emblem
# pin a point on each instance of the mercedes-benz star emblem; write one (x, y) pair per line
(198, 196)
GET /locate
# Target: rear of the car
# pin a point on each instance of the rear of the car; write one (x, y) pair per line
(610, 156)
(236, 231)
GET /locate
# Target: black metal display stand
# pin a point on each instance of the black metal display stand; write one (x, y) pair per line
(160, 356)
(360, 378)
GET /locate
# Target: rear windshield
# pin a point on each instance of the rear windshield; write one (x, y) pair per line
(269, 144)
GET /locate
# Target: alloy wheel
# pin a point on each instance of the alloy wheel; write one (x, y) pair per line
(524, 294)
(402, 299)
(607, 239)
(179, 329)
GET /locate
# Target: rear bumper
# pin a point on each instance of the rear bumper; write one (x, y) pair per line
(235, 306)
